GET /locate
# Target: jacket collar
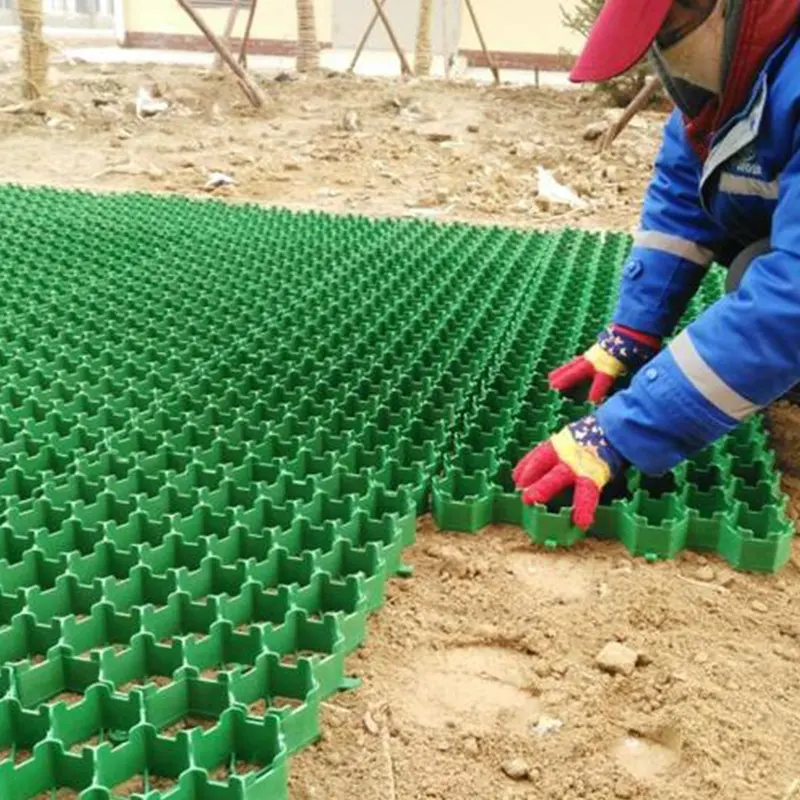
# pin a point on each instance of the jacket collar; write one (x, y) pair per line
(755, 32)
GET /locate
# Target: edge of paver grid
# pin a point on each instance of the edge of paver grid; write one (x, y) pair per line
(745, 524)
(194, 536)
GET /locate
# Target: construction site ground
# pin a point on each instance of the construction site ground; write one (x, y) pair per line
(479, 676)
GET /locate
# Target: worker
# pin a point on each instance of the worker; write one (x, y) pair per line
(725, 188)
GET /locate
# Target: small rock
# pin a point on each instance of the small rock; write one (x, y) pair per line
(471, 747)
(643, 659)
(701, 658)
(435, 201)
(623, 789)
(443, 747)
(487, 632)
(560, 668)
(438, 137)
(351, 122)
(594, 131)
(784, 652)
(516, 769)
(547, 725)
(473, 129)
(148, 105)
(790, 629)
(543, 669)
(292, 166)
(611, 174)
(442, 196)
(758, 606)
(333, 758)
(705, 574)
(370, 725)
(218, 179)
(525, 150)
(616, 659)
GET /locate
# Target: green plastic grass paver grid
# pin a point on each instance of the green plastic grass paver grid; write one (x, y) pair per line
(217, 428)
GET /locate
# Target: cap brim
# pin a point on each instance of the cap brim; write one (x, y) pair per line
(620, 37)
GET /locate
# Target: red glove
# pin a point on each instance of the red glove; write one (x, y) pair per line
(579, 455)
(618, 351)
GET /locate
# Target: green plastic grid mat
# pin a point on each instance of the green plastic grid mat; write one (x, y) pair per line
(217, 427)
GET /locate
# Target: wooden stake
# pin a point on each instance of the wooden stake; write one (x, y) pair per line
(249, 86)
(248, 29)
(489, 59)
(226, 37)
(651, 86)
(367, 33)
(404, 65)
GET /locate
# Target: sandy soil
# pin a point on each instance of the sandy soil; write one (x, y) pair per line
(480, 674)
(339, 143)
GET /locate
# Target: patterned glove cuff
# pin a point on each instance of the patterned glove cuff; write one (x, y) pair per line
(629, 351)
(588, 434)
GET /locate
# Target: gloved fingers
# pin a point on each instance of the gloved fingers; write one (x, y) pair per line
(537, 463)
(553, 483)
(576, 371)
(601, 386)
(585, 502)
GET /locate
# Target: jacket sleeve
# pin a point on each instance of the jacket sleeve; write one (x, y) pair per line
(674, 245)
(740, 355)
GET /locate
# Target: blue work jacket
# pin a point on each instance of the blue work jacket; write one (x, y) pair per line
(742, 352)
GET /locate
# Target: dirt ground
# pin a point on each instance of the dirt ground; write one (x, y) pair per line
(479, 676)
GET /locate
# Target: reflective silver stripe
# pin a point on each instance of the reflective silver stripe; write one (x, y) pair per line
(707, 382)
(667, 243)
(744, 185)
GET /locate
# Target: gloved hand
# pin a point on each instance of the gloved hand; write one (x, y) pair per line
(578, 455)
(618, 351)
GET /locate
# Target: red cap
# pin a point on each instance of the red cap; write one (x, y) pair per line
(621, 35)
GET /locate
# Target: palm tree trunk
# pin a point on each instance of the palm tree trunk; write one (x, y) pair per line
(33, 49)
(422, 54)
(307, 44)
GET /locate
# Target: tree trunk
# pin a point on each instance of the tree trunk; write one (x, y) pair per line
(33, 49)
(422, 54)
(307, 44)
(226, 37)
